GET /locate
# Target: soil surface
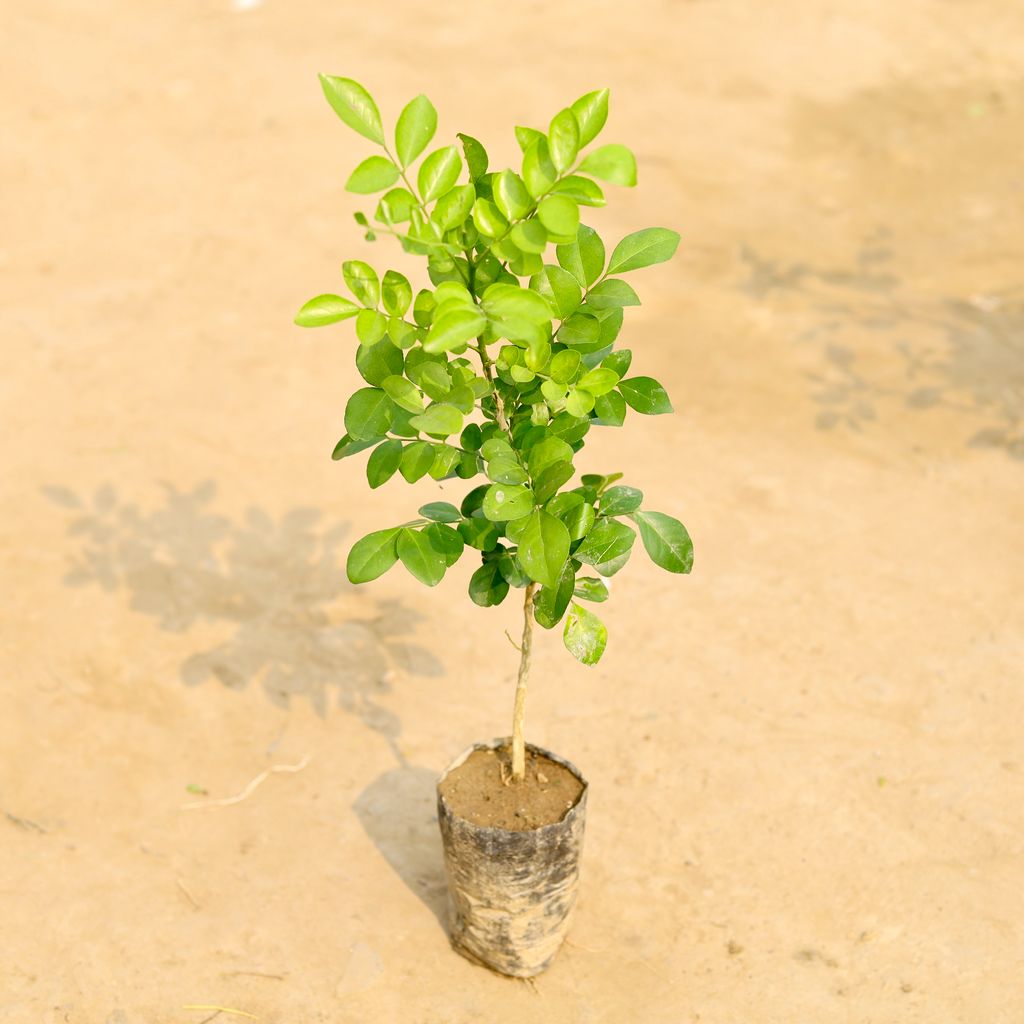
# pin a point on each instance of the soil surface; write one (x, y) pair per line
(482, 791)
(829, 707)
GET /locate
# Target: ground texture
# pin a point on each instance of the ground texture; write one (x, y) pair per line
(807, 779)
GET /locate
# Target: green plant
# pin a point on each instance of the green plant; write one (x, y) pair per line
(555, 375)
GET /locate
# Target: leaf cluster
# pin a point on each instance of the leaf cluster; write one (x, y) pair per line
(504, 364)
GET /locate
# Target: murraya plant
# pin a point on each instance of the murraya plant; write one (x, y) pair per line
(502, 367)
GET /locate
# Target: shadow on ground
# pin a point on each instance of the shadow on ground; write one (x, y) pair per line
(959, 353)
(277, 585)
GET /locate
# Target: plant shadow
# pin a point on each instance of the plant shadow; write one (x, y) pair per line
(293, 621)
(962, 353)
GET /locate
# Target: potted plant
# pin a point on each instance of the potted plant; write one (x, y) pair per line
(501, 368)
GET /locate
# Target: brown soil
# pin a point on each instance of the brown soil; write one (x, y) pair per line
(478, 791)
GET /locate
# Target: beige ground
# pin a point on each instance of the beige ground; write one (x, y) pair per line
(806, 760)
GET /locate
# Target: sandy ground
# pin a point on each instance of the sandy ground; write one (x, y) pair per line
(807, 775)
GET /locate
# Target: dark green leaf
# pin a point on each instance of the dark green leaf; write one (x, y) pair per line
(585, 635)
(619, 361)
(420, 557)
(377, 362)
(446, 541)
(578, 520)
(415, 128)
(487, 586)
(325, 309)
(617, 501)
(551, 479)
(610, 410)
(544, 548)
(479, 533)
(546, 453)
(642, 249)
(354, 105)
(440, 512)
(349, 446)
(474, 501)
(580, 331)
(373, 555)
(417, 459)
(476, 156)
(645, 395)
(584, 258)
(368, 414)
(665, 540)
(607, 546)
(550, 603)
(383, 462)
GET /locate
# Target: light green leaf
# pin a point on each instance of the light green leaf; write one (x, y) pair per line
(396, 206)
(453, 329)
(508, 302)
(325, 309)
(544, 548)
(527, 136)
(476, 156)
(559, 287)
(583, 190)
(529, 236)
(373, 555)
(612, 293)
(666, 541)
(454, 207)
(375, 362)
(584, 258)
(362, 281)
(420, 557)
(415, 128)
(585, 635)
(610, 410)
(643, 249)
(560, 215)
(371, 326)
(564, 140)
(417, 459)
(547, 452)
(590, 589)
(612, 163)
(383, 462)
(503, 502)
(354, 105)
(404, 393)
(598, 381)
(368, 413)
(446, 460)
(579, 402)
(506, 469)
(510, 195)
(488, 219)
(442, 420)
(645, 395)
(591, 113)
(607, 546)
(374, 174)
(446, 542)
(396, 292)
(439, 172)
(440, 512)
(539, 172)
(565, 365)
(581, 331)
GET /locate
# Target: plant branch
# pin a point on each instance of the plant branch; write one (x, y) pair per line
(519, 712)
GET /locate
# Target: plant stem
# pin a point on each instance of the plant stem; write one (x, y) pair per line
(519, 713)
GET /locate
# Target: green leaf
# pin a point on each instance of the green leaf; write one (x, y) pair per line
(559, 287)
(354, 105)
(442, 420)
(349, 446)
(578, 520)
(589, 589)
(396, 292)
(612, 163)
(396, 206)
(559, 214)
(564, 140)
(377, 362)
(368, 414)
(476, 156)
(612, 293)
(509, 302)
(580, 331)
(362, 281)
(618, 361)
(643, 249)
(583, 190)
(585, 635)
(607, 546)
(505, 469)
(473, 502)
(544, 548)
(446, 541)
(373, 555)
(415, 128)
(512, 571)
(374, 174)
(453, 329)
(383, 462)
(550, 603)
(610, 410)
(479, 533)
(403, 393)
(371, 326)
(488, 219)
(546, 453)
(565, 365)
(325, 309)
(440, 512)
(417, 459)
(420, 557)
(665, 540)
(529, 236)
(551, 479)
(579, 402)
(510, 195)
(645, 395)
(584, 258)
(598, 382)
(433, 379)
(487, 586)
(527, 136)
(446, 460)
(539, 172)
(439, 172)
(617, 501)
(454, 207)
(503, 502)
(591, 113)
